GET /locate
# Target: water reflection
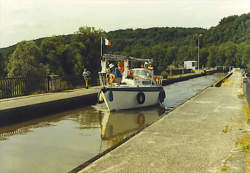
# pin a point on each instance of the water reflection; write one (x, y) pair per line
(85, 118)
(115, 126)
(64, 141)
(61, 142)
(24, 128)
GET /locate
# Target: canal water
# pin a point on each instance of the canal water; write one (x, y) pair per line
(61, 142)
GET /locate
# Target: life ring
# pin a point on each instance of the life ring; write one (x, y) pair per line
(140, 97)
(141, 119)
(111, 78)
(162, 96)
(99, 98)
(110, 131)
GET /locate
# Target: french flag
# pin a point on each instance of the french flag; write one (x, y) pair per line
(106, 42)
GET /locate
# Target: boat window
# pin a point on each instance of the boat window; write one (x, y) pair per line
(143, 72)
(147, 82)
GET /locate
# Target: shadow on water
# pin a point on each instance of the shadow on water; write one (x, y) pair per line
(115, 126)
(60, 142)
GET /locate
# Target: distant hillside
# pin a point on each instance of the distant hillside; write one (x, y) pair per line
(228, 43)
(8, 50)
(233, 28)
(126, 40)
(122, 39)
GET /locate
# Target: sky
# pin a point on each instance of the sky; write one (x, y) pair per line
(32, 19)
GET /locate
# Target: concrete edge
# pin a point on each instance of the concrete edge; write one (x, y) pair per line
(219, 82)
(183, 78)
(29, 112)
(93, 159)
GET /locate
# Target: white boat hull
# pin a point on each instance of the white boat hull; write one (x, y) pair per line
(127, 98)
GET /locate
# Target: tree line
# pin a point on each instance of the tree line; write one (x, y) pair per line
(65, 56)
(226, 44)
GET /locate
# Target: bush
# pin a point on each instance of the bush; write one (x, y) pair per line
(66, 85)
(164, 74)
(248, 72)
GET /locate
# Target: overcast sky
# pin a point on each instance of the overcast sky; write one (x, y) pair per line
(31, 19)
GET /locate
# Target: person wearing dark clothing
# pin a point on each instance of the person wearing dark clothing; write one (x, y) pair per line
(116, 72)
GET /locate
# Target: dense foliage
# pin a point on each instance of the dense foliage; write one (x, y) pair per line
(62, 55)
(227, 44)
(24, 60)
(166, 45)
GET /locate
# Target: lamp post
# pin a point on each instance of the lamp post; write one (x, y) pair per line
(199, 35)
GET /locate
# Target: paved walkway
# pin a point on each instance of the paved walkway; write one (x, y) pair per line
(15, 102)
(19, 109)
(197, 137)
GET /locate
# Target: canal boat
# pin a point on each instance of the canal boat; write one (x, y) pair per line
(137, 88)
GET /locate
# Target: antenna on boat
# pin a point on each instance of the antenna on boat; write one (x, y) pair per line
(101, 46)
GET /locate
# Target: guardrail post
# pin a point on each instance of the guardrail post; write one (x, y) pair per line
(247, 89)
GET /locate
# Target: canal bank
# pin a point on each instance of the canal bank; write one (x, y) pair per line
(19, 109)
(198, 136)
(82, 133)
(187, 76)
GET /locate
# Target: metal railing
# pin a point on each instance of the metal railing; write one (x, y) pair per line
(14, 87)
(246, 88)
(78, 81)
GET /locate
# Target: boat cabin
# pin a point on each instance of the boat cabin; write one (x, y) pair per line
(190, 65)
(131, 77)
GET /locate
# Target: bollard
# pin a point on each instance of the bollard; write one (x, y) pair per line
(244, 85)
(54, 83)
(248, 90)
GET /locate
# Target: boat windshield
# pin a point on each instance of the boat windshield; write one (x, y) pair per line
(144, 73)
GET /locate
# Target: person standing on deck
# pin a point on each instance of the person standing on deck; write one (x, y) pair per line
(117, 74)
(121, 66)
(86, 75)
(150, 66)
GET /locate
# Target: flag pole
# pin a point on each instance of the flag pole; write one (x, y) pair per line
(101, 46)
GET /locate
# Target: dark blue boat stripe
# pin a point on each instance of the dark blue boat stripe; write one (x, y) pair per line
(135, 89)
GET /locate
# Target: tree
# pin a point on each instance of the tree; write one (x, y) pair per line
(246, 56)
(171, 54)
(85, 44)
(182, 54)
(203, 56)
(230, 54)
(54, 53)
(23, 61)
(211, 59)
(2, 72)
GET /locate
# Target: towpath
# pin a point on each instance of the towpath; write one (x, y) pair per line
(18, 109)
(197, 137)
(15, 102)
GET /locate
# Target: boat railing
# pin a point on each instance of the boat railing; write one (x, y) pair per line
(112, 57)
(102, 78)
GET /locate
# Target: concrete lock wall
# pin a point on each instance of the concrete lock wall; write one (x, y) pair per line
(244, 85)
(246, 88)
(44, 108)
